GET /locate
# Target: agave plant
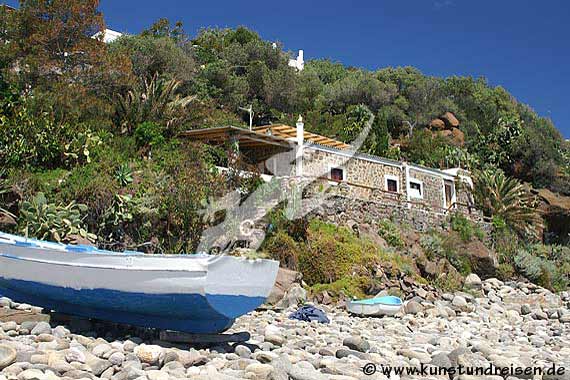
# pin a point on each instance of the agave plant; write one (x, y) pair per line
(156, 100)
(508, 199)
(49, 221)
(124, 175)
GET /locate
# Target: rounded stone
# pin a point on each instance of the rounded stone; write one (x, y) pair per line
(356, 343)
(117, 358)
(7, 356)
(472, 281)
(41, 328)
(413, 307)
(149, 354)
(243, 351)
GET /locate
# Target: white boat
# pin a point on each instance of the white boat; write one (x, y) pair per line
(375, 307)
(189, 293)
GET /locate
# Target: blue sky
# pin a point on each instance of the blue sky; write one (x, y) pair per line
(521, 45)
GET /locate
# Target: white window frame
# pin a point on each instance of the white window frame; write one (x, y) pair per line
(394, 178)
(453, 198)
(332, 166)
(413, 194)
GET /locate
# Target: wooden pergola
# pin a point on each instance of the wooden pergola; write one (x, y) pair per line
(288, 132)
(276, 134)
(245, 137)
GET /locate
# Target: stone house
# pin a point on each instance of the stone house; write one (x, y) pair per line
(283, 150)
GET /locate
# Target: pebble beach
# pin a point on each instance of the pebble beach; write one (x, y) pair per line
(505, 325)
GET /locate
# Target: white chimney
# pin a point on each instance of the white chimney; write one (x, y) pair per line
(301, 60)
(300, 142)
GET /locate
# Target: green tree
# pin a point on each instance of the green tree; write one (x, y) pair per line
(151, 54)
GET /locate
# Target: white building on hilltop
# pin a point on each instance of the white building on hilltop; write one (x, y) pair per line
(108, 35)
(299, 62)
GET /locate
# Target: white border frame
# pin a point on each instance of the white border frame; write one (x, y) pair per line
(392, 177)
(422, 188)
(453, 198)
(333, 166)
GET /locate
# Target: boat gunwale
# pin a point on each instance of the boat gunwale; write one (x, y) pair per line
(94, 266)
(208, 259)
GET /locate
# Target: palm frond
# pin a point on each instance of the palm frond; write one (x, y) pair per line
(507, 198)
(157, 100)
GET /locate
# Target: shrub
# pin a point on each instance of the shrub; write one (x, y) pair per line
(333, 253)
(506, 241)
(453, 250)
(5, 189)
(432, 245)
(92, 185)
(505, 271)
(334, 258)
(450, 247)
(449, 282)
(283, 248)
(465, 228)
(390, 232)
(542, 270)
(349, 286)
(49, 221)
(185, 186)
(113, 221)
(149, 134)
(27, 139)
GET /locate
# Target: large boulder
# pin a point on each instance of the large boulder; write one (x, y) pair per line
(483, 261)
(450, 120)
(555, 209)
(371, 233)
(437, 124)
(286, 278)
(428, 269)
(458, 137)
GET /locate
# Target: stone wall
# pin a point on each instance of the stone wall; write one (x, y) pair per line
(358, 171)
(432, 191)
(339, 209)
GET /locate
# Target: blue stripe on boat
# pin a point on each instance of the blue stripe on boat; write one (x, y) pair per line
(193, 313)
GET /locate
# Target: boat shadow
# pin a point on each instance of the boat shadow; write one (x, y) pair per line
(111, 331)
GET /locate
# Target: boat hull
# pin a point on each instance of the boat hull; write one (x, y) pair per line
(195, 294)
(383, 306)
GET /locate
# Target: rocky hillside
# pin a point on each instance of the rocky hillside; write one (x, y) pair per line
(90, 149)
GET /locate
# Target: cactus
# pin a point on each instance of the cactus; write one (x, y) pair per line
(50, 221)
